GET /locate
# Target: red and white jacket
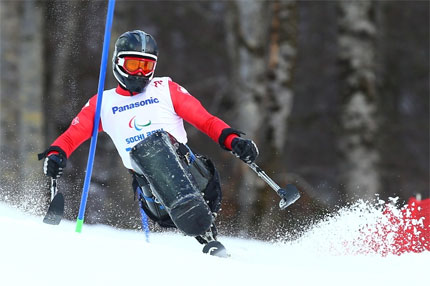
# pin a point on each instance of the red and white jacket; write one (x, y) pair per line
(127, 119)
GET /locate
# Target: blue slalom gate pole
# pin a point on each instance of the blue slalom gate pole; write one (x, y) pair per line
(145, 224)
(102, 76)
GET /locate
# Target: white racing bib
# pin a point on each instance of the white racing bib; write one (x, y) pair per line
(130, 119)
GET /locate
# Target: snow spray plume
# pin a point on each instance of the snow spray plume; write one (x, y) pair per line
(367, 228)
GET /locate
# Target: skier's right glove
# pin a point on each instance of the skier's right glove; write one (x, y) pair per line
(54, 165)
(55, 161)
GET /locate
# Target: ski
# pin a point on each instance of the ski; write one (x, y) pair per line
(55, 212)
(215, 248)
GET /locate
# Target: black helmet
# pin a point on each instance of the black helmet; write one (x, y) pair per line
(134, 44)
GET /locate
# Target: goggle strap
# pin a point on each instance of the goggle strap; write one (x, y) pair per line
(137, 54)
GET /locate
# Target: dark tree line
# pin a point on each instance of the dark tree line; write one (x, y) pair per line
(335, 94)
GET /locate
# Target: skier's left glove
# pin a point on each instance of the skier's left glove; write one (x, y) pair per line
(244, 149)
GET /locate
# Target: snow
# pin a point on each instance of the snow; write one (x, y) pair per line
(33, 253)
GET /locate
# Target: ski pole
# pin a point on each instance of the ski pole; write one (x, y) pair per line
(102, 75)
(288, 195)
(53, 188)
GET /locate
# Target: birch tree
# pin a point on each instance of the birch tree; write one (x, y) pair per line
(359, 121)
(262, 50)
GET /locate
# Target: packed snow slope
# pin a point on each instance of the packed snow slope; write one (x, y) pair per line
(33, 253)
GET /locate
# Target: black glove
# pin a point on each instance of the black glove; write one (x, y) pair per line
(54, 164)
(244, 149)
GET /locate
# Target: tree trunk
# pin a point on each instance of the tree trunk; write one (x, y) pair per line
(358, 147)
(258, 32)
(248, 24)
(22, 93)
(279, 101)
(282, 53)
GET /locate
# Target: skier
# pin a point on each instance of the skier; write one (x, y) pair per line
(139, 106)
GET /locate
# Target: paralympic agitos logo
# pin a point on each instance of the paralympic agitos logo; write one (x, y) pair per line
(133, 124)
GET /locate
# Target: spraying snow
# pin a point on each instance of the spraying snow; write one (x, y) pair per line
(33, 253)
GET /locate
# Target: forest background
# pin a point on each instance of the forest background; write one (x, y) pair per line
(334, 93)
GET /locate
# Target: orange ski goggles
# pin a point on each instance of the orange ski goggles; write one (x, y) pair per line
(134, 65)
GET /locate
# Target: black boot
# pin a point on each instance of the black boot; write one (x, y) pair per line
(210, 235)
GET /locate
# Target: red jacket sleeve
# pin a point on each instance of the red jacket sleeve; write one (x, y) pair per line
(192, 111)
(79, 130)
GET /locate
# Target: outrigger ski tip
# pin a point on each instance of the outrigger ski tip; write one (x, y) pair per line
(55, 211)
(289, 195)
(56, 208)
